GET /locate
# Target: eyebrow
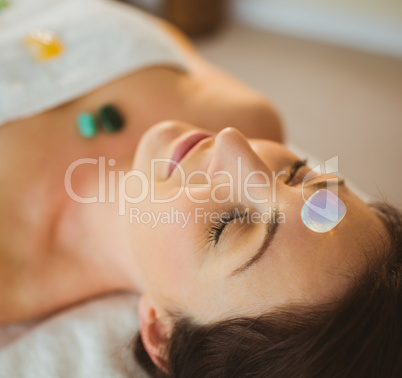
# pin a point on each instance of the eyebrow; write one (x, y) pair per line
(272, 228)
(326, 184)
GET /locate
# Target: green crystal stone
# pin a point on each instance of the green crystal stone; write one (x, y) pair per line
(111, 119)
(87, 125)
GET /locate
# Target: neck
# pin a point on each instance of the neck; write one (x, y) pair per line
(95, 232)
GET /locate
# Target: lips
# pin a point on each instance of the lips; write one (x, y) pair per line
(184, 147)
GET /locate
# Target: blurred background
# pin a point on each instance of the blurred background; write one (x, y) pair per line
(332, 67)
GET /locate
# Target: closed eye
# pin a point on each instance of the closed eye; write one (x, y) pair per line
(294, 169)
(216, 229)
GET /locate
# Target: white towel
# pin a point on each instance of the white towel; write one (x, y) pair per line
(102, 40)
(93, 339)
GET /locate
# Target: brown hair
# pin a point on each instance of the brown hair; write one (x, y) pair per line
(359, 337)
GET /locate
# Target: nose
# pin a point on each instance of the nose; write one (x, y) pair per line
(232, 149)
(236, 165)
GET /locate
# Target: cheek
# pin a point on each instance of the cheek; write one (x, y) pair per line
(167, 256)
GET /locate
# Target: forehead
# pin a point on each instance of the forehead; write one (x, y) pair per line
(304, 264)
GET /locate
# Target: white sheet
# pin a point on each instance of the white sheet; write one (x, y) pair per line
(93, 339)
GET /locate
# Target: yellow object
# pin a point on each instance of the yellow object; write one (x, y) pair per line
(44, 44)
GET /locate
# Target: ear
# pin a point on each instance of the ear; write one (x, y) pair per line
(153, 332)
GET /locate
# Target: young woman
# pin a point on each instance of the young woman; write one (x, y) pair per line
(219, 297)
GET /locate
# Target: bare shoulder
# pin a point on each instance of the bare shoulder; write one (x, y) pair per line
(220, 93)
(226, 101)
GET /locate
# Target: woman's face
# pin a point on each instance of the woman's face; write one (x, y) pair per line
(266, 257)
